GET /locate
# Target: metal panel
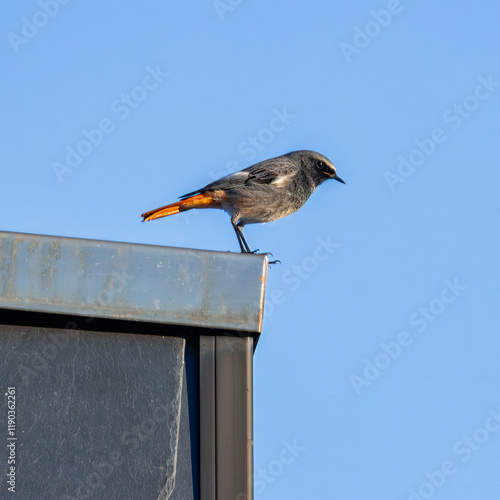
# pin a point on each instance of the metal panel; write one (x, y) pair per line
(207, 419)
(100, 415)
(234, 417)
(133, 282)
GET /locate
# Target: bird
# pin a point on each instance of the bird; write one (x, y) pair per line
(264, 192)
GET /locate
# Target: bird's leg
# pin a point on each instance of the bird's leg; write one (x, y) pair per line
(244, 245)
(241, 240)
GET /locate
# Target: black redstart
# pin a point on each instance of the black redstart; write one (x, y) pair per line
(264, 192)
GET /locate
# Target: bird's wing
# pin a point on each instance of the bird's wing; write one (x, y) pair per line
(258, 174)
(229, 181)
(261, 175)
(193, 193)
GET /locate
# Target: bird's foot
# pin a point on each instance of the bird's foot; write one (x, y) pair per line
(256, 252)
(271, 262)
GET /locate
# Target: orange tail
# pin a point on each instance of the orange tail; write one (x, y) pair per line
(199, 201)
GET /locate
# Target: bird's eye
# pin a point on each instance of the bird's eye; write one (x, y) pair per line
(321, 165)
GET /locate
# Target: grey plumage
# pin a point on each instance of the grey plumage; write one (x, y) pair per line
(264, 192)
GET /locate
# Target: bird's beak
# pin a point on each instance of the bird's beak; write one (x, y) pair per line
(337, 178)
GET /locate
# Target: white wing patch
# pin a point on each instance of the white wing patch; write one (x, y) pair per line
(282, 179)
(239, 175)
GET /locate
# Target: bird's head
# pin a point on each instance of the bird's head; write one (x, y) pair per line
(318, 166)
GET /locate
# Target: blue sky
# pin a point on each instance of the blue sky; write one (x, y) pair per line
(376, 375)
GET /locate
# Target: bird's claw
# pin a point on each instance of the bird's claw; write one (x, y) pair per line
(256, 252)
(271, 262)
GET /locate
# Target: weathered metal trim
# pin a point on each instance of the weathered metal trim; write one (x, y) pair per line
(105, 279)
(234, 417)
